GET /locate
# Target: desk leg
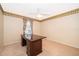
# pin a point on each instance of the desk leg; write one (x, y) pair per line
(23, 42)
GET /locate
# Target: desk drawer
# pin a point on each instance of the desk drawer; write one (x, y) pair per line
(35, 47)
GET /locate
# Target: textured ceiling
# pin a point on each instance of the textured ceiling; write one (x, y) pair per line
(47, 9)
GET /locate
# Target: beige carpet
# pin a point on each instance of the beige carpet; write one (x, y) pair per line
(57, 49)
(49, 49)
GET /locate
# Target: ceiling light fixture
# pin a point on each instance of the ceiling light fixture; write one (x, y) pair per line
(39, 16)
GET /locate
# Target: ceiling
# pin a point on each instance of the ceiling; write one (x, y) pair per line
(30, 9)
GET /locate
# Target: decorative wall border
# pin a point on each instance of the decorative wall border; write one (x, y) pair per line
(19, 16)
(1, 8)
(75, 11)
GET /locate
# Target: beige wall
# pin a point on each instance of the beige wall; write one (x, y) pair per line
(13, 28)
(63, 30)
(1, 30)
(36, 28)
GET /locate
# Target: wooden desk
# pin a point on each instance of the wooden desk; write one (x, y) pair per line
(34, 45)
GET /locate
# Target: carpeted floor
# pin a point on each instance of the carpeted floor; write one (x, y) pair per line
(50, 48)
